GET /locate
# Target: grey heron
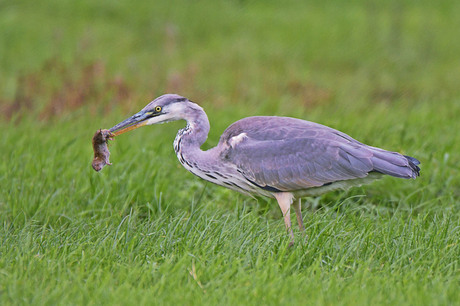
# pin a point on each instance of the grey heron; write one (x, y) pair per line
(278, 157)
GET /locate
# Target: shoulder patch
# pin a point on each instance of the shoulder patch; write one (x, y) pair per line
(237, 139)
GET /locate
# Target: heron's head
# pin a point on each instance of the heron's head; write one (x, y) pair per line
(163, 109)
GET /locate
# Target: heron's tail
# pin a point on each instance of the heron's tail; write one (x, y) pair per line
(395, 164)
(413, 164)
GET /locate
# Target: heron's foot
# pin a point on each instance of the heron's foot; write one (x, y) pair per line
(302, 228)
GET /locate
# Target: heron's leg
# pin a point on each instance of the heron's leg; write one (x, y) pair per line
(298, 212)
(284, 201)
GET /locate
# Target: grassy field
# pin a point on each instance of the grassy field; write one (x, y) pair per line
(145, 231)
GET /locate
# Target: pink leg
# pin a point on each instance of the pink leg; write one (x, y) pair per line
(284, 201)
(298, 212)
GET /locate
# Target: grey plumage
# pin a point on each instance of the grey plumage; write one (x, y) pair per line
(292, 154)
(279, 157)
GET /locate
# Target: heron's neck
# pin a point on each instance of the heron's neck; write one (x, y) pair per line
(194, 134)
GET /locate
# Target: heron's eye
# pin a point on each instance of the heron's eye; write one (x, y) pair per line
(157, 109)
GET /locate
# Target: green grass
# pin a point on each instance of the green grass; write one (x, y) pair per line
(145, 231)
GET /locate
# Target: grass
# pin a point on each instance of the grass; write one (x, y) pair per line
(144, 231)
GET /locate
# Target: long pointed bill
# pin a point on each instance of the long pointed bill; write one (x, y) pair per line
(129, 124)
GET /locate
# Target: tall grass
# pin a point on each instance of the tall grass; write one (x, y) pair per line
(146, 231)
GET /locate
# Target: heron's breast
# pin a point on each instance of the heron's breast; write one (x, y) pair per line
(222, 176)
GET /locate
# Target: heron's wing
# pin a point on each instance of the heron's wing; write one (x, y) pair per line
(292, 155)
(294, 164)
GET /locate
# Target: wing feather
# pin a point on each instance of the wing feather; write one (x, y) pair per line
(292, 154)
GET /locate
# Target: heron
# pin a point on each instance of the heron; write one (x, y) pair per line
(277, 157)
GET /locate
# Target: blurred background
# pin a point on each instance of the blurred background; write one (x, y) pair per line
(278, 57)
(385, 72)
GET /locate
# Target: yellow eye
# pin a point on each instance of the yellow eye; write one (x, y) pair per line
(158, 109)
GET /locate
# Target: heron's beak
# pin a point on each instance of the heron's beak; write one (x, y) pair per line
(131, 123)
